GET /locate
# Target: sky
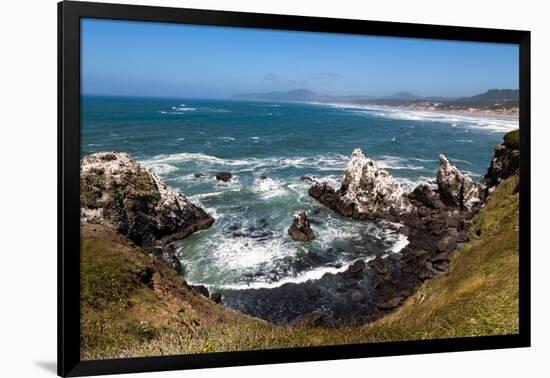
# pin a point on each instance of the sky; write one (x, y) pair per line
(130, 58)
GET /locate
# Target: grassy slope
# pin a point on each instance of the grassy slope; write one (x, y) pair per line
(139, 318)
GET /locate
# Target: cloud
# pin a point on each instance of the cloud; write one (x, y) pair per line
(325, 75)
(271, 77)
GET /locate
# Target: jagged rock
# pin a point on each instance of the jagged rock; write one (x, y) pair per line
(366, 192)
(354, 268)
(456, 188)
(447, 243)
(505, 162)
(118, 192)
(198, 174)
(300, 229)
(263, 177)
(224, 176)
(424, 195)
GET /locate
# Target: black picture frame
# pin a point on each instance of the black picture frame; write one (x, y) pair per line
(69, 15)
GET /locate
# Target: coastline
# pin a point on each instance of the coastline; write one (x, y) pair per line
(475, 112)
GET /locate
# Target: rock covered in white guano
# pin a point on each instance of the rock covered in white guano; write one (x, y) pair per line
(117, 191)
(457, 188)
(371, 189)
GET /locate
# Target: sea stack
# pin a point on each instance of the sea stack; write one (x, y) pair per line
(367, 191)
(300, 229)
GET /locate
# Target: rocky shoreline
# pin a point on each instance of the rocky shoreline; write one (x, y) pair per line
(118, 192)
(436, 220)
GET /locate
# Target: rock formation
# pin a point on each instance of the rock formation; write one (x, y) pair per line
(300, 229)
(456, 188)
(366, 192)
(224, 176)
(505, 161)
(118, 192)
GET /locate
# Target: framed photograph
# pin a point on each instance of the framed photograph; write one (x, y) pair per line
(239, 188)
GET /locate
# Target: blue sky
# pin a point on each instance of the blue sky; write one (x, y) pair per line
(171, 60)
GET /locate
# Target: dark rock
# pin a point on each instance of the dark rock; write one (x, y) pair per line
(200, 289)
(216, 297)
(354, 268)
(378, 264)
(224, 176)
(440, 257)
(300, 229)
(199, 174)
(505, 163)
(263, 177)
(358, 296)
(447, 243)
(424, 195)
(313, 292)
(307, 178)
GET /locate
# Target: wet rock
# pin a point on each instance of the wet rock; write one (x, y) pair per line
(308, 178)
(300, 229)
(354, 269)
(378, 264)
(263, 177)
(118, 192)
(198, 175)
(200, 289)
(224, 176)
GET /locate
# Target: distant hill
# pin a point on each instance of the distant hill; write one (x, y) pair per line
(495, 95)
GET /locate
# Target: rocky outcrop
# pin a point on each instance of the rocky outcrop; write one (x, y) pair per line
(505, 161)
(367, 191)
(118, 192)
(456, 188)
(300, 229)
(223, 176)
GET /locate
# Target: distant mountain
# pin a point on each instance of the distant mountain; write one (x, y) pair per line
(494, 95)
(293, 95)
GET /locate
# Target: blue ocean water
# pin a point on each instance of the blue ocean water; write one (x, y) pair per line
(248, 245)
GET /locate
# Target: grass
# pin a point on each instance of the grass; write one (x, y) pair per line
(160, 316)
(512, 138)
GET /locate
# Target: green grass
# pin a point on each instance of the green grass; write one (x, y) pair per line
(512, 138)
(478, 297)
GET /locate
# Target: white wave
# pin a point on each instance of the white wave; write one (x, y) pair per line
(410, 184)
(227, 139)
(396, 163)
(269, 188)
(492, 123)
(160, 168)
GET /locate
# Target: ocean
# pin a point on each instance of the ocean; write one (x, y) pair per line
(248, 250)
